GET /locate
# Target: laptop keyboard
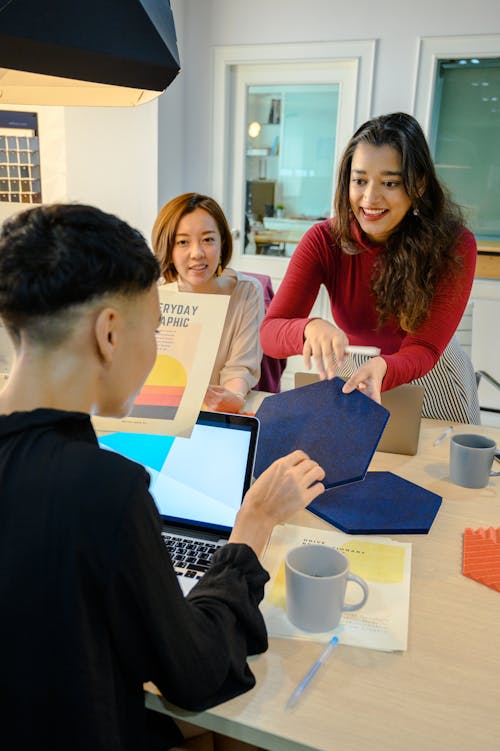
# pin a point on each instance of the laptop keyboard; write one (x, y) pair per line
(190, 557)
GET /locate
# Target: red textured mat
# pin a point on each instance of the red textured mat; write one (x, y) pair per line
(481, 558)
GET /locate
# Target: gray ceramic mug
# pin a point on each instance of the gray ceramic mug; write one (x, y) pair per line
(471, 457)
(316, 581)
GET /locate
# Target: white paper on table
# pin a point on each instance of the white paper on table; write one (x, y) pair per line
(384, 564)
(188, 340)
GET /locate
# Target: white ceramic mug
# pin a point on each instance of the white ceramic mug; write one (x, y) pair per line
(316, 582)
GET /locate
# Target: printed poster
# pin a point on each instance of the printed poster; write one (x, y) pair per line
(187, 340)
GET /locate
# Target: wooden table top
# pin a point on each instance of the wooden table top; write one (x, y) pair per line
(442, 694)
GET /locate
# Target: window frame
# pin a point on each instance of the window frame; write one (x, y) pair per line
(226, 57)
(431, 51)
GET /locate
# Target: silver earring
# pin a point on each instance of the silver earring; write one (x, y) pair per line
(416, 212)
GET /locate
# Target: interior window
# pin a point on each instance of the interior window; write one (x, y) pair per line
(465, 138)
(290, 149)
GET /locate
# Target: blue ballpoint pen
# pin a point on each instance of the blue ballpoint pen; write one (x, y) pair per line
(292, 701)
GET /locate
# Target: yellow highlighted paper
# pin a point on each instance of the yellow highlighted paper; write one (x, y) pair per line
(375, 561)
(277, 595)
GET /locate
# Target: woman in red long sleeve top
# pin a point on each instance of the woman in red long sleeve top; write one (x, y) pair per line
(398, 265)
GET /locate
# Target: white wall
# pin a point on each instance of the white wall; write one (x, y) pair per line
(111, 160)
(103, 156)
(52, 141)
(203, 24)
(172, 156)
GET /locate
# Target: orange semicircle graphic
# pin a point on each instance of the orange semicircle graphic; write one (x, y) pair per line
(163, 389)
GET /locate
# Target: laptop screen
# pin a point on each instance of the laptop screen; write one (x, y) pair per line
(197, 482)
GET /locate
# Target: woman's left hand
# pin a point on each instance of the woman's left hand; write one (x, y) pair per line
(220, 399)
(368, 378)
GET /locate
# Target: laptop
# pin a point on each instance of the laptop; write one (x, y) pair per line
(198, 483)
(402, 432)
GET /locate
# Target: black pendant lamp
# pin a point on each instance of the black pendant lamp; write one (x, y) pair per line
(86, 52)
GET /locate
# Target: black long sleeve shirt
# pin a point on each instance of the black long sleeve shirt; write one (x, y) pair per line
(90, 607)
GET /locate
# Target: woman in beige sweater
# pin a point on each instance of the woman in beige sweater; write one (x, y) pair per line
(192, 240)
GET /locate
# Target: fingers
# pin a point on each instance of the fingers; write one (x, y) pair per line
(309, 469)
(214, 398)
(288, 485)
(352, 384)
(216, 390)
(325, 344)
(368, 378)
(295, 458)
(295, 470)
(310, 350)
(306, 352)
(305, 471)
(324, 361)
(339, 344)
(355, 382)
(367, 386)
(314, 491)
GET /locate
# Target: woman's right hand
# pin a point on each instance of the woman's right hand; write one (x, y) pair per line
(325, 344)
(368, 378)
(288, 485)
(220, 399)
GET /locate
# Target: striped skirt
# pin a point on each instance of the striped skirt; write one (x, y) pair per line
(450, 387)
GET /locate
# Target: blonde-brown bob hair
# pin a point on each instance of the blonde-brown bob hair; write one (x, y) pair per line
(165, 229)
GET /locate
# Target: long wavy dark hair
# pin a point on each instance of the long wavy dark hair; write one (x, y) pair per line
(421, 249)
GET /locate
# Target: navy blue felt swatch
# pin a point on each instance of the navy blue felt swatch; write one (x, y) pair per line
(339, 431)
(382, 504)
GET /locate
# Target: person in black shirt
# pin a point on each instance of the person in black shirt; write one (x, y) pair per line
(91, 607)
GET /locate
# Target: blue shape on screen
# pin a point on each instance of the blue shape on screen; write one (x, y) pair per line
(144, 448)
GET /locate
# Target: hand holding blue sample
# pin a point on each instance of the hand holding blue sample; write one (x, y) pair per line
(339, 431)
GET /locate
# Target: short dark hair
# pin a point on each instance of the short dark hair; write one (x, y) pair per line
(167, 221)
(54, 257)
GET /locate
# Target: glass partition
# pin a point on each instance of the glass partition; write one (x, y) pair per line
(465, 138)
(289, 163)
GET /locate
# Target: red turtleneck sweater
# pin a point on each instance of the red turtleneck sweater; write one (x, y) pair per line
(319, 260)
